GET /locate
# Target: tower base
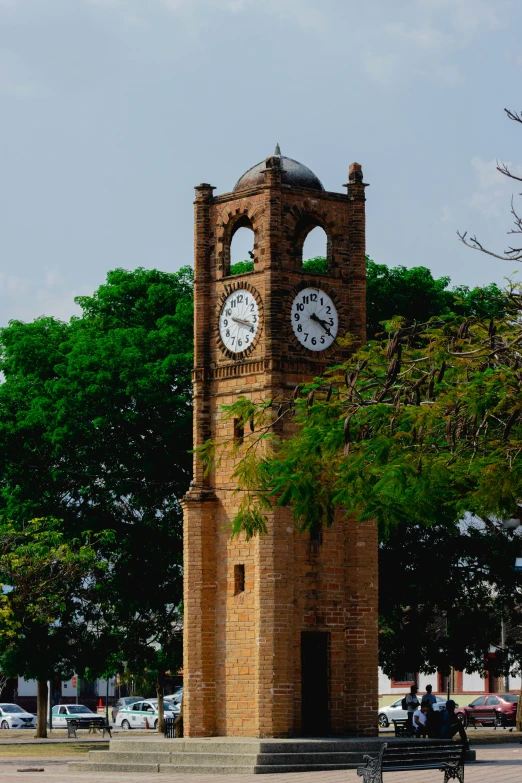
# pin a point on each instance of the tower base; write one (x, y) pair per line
(228, 756)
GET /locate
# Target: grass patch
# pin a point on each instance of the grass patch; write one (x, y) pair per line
(65, 750)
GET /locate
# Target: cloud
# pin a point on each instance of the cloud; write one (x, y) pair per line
(467, 17)
(17, 285)
(306, 14)
(24, 299)
(492, 196)
(424, 35)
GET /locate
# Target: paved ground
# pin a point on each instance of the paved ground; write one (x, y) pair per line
(496, 765)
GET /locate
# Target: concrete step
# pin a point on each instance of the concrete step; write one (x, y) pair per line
(104, 756)
(204, 770)
(264, 759)
(181, 745)
(86, 766)
(146, 746)
(214, 759)
(268, 769)
(314, 759)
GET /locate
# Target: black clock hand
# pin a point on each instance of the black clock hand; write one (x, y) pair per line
(242, 322)
(324, 324)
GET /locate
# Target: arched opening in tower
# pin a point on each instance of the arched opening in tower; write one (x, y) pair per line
(315, 252)
(242, 251)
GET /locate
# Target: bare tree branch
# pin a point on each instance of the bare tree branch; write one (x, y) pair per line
(513, 115)
(507, 173)
(513, 254)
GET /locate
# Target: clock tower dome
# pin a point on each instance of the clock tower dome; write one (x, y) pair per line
(280, 632)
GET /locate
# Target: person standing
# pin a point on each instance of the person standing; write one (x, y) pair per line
(412, 703)
(428, 696)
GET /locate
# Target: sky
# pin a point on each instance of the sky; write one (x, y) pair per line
(111, 111)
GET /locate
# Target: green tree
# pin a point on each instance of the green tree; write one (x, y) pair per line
(45, 581)
(418, 429)
(416, 295)
(95, 430)
(444, 591)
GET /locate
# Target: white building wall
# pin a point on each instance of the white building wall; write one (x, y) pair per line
(27, 687)
(385, 686)
(427, 679)
(70, 687)
(472, 681)
(101, 686)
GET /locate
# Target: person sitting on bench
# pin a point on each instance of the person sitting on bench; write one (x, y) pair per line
(451, 725)
(420, 719)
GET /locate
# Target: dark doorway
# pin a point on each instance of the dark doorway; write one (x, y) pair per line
(315, 690)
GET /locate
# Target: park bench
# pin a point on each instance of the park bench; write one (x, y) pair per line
(487, 715)
(447, 756)
(73, 724)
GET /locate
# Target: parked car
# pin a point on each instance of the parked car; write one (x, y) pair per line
(143, 714)
(175, 698)
(504, 705)
(124, 702)
(14, 717)
(395, 711)
(62, 711)
(177, 693)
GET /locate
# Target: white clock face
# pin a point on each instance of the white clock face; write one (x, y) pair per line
(239, 320)
(314, 319)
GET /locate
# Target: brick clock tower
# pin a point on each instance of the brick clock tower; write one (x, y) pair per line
(280, 634)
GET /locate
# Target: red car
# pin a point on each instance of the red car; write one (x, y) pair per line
(496, 709)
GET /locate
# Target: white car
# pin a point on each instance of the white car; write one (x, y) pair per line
(175, 698)
(62, 711)
(395, 712)
(144, 714)
(14, 717)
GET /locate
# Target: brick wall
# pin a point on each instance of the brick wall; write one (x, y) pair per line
(242, 655)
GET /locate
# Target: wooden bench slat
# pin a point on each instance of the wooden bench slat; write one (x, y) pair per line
(420, 753)
(435, 765)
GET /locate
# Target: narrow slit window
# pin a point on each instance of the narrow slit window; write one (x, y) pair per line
(239, 579)
(316, 533)
(239, 431)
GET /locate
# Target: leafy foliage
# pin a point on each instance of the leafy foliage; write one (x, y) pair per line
(443, 592)
(95, 430)
(316, 266)
(46, 581)
(416, 295)
(415, 431)
(241, 267)
(420, 427)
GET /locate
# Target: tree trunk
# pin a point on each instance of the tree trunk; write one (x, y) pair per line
(42, 700)
(161, 704)
(519, 711)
